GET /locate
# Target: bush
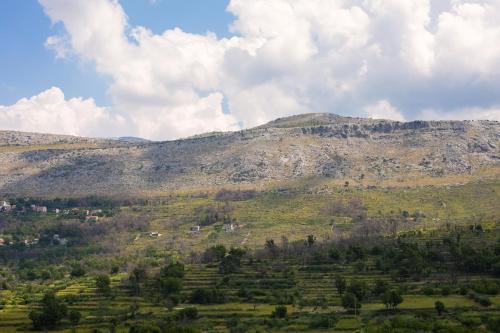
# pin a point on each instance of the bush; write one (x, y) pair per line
(351, 302)
(279, 312)
(175, 270)
(319, 321)
(77, 271)
(102, 283)
(484, 301)
(439, 306)
(445, 291)
(145, 327)
(207, 296)
(190, 313)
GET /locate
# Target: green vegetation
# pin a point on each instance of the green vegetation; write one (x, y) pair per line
(342, 260)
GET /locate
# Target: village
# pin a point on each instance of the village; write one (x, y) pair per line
(87, 215)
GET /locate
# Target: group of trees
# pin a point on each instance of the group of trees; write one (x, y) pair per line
(209, 215)
(52, 311)
(354, 292)
(235, 195)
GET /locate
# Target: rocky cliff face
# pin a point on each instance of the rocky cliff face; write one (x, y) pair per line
(322, 145)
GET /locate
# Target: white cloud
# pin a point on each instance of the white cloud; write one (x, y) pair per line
(290, 56)
(50, 112)
(473, 113)
(383, 110)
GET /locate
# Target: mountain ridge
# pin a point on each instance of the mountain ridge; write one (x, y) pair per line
(329, 146)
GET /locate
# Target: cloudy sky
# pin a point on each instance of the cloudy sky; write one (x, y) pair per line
(163, 69)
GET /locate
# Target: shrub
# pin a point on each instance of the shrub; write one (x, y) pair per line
(351, 302)
(77, 271)
(445, 291)
(319, 321)
(175, 270)
(207, 296)
(439, 306)
(102, 283)
(279, 312)
(190, 313)
(145, 327)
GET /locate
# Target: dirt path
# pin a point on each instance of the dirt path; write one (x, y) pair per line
(245, 239)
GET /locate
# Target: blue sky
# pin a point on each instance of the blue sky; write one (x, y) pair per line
(27, 67)
(122, 68)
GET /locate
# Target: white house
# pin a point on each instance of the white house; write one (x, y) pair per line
(92, 218)
(229, 227)
(5, 206)
(154, 234)
(39, 209)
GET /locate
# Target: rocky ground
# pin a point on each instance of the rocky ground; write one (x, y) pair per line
(312, 145)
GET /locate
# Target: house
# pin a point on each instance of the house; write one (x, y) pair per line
(5, 206)
(91, 218)
(229, 227)
(154, 234)
(2, 242)
(38, 209)
(57, 210)
(96, 211)
(195, 229)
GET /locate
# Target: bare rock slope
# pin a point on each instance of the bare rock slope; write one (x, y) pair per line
(311, 145)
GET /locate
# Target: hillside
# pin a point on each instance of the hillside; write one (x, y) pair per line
(324, 147)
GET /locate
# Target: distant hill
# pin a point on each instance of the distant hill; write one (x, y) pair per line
(132, 139)
(325, 147)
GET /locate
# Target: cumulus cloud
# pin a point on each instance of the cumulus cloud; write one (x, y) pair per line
(50, 112)
(473, 113)
(383, 110)
(350, 57)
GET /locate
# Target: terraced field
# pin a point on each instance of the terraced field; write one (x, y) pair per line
(306, 288)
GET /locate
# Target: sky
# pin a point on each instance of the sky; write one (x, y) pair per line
(165, 69)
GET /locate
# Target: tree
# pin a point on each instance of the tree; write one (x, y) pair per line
(102, 283)
(51, 313)
(380, 287)
(358, 288)
(230, 264)
(279, 312)
(439, 306)
(351, 302)
(169, 285)
(77, 271)
(214, 253)
(74, 318)
(310, 240)
(340, 284)
(136, 278)
(175, 270)
(392, 299)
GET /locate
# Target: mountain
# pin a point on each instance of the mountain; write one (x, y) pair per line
(325, 148)
(132, 139)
